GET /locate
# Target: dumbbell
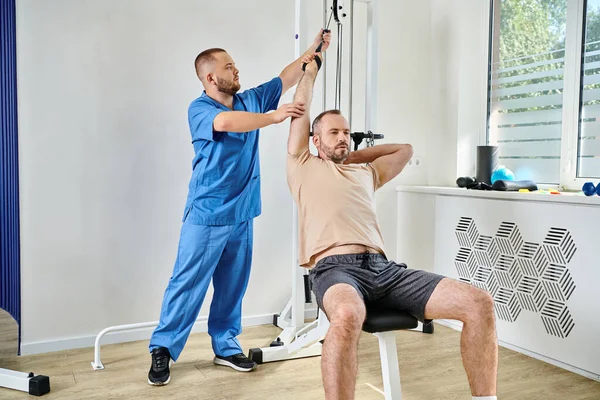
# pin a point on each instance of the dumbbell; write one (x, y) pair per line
(465, 181)
(472, 183)
(589, 189)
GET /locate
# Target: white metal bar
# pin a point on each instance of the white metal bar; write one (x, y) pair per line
(281, 353)
(14, 380)
(372, 65)
(297, 316)
(288, 334)
(292, 316)
(571, 93)
(312, 336)
(97, 363)
(298, 8)
(284, 319)
(307, 327)
(389, 365)
(487, 111)
(283, 324)
(350, 63)
(308, 339)
(324, 67)
(305, 345)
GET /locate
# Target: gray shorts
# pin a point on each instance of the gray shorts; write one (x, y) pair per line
(377, 280)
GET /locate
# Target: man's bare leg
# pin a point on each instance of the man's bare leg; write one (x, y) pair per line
(452, 299)
(346, 311)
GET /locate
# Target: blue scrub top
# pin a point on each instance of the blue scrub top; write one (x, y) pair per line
(225, 184)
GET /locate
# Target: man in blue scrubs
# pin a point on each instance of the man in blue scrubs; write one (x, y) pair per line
(223, 199)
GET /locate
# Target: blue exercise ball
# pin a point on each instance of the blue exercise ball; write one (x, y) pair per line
(501, 173)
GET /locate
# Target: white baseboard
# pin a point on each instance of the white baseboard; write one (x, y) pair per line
(457, 325)
(132, 335)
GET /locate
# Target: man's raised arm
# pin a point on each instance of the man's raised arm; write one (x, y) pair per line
(300, 126)
(388, 159)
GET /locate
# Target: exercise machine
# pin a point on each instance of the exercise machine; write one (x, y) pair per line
(297, 339)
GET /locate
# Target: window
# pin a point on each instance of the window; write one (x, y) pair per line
(544, 89)
(588, 149)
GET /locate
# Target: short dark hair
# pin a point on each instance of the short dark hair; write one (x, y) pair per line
(205, 57)
(317, 121)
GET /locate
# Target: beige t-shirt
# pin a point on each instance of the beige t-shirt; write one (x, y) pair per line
(336, 204)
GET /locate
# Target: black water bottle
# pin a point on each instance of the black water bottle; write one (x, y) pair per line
(487, 161)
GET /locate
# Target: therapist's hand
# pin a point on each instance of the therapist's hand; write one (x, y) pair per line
(286, 111)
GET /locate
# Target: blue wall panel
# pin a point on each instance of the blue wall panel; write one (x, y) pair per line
(10, 272)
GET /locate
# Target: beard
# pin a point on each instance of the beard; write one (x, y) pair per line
(336, 154)
(228, 87)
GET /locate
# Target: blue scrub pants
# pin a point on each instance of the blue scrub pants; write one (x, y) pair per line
(223, 253)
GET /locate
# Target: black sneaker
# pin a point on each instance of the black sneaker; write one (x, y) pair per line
(159, 371)
(239, 362)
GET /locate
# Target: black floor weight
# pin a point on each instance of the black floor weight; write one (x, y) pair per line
(428, 327)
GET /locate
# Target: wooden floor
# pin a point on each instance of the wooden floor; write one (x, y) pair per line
(429, 365)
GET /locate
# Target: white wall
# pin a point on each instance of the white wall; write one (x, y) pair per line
(404, 98)
(473, 83)
(433, 87)
(460, 37)
(433, 91)
(432, 94)
(105, 153)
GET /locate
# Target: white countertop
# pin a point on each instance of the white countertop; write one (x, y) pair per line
(568, 197)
